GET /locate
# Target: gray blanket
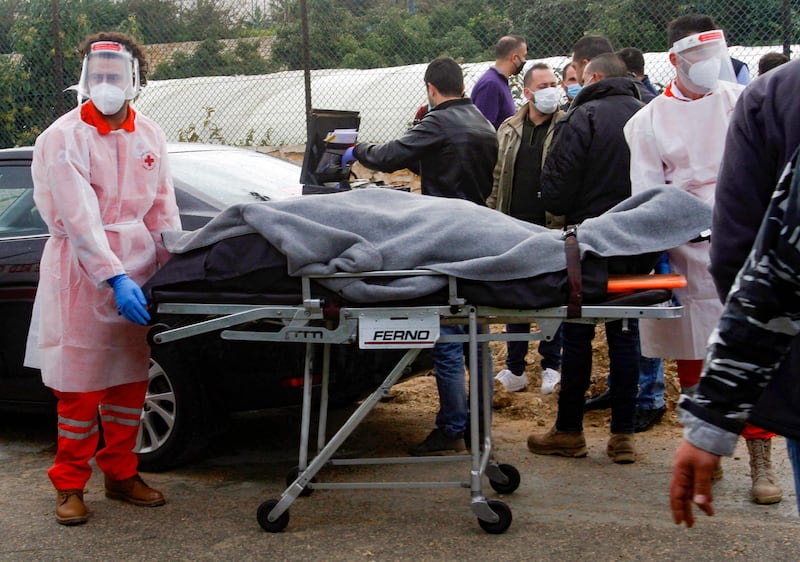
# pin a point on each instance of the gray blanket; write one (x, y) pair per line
(382, 229)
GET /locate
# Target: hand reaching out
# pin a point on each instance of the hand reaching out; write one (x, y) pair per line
(691, 482)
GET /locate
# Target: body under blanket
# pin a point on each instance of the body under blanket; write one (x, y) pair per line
(382, 230)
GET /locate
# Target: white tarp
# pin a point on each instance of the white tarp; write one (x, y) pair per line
(270, 109)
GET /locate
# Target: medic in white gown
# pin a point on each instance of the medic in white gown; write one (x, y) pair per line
(106, 196)
(678, 139)
(103, 186)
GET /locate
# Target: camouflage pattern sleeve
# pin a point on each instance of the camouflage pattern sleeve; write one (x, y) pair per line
(759, 322)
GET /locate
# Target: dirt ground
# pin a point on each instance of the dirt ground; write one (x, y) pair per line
(525, 411)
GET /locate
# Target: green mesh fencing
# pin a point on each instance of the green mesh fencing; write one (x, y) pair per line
(232, 71)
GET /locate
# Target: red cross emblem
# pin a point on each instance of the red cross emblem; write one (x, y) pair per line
(149, 161)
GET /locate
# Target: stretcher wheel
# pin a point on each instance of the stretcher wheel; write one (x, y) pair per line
(503, 512)
(512, 474)
(271, 526)
(292, 476)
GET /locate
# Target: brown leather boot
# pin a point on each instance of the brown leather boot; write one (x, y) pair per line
(555, 442)
(718, 473)
(622, 448)
(765, 485)
(70, 509)
(133, 490)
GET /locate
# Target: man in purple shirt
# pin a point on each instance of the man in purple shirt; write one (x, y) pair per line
(491, 93)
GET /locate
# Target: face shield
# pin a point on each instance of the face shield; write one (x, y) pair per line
(109, 77)
(703, 61)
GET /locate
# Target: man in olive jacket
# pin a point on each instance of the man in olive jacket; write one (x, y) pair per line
(525, 139)
(539, 78)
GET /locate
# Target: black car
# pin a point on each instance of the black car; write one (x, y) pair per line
(194, 383)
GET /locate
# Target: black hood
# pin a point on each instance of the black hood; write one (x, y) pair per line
(617, 86)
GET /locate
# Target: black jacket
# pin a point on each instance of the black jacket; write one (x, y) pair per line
(587, 170)
(761, 138)
(453, 149)
(644, 93)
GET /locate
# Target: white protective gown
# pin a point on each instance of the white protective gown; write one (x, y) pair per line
(106, 200)
(681, 143)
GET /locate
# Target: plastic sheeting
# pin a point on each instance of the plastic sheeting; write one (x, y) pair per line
(270, 109)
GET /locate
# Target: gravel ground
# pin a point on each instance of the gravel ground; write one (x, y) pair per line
(564, 509)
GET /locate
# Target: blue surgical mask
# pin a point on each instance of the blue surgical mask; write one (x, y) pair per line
(572, 90)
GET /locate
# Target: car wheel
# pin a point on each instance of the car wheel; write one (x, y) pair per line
(174, 426)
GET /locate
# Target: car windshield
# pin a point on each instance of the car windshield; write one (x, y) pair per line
(15, 176)
(18, 215)
(234, 176)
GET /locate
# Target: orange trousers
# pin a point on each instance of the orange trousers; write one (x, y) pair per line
(119, 409)
(689, 371)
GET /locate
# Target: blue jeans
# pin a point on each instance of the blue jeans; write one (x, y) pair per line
(517, 350)
(793, 448)
(448, 362)
(651, 382)
(576, 373)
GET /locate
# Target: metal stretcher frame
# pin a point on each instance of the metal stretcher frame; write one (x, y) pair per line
(306, 323)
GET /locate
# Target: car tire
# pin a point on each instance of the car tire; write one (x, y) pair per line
(175, 423)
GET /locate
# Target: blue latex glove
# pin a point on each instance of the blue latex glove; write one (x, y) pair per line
(130, 299)
(347, 157)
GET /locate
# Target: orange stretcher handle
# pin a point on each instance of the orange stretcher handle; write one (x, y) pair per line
(627, 283)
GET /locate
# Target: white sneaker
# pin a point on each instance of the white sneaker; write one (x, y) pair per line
(512, 382)
(550, 378)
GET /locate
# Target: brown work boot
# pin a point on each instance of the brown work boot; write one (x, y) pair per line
(134, 490)
(765, 486)
(621, 448)
(555, 442)
(70, 509)
(718, 473)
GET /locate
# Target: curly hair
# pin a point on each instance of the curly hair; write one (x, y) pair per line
(123, 39)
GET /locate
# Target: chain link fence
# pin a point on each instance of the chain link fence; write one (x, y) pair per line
(234, 71)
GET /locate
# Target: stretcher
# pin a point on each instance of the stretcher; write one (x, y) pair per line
(312, 320)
